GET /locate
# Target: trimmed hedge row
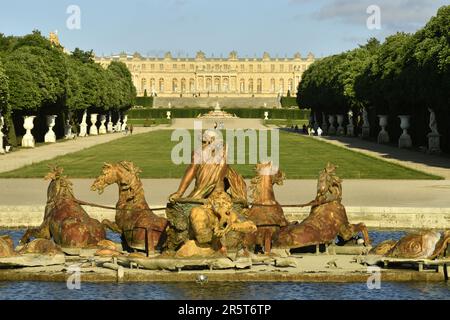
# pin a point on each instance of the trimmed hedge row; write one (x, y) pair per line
(296, 114)
(146, 102)
(287, 102)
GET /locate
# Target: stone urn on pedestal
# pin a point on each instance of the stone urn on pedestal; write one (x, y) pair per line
(266, 115)
(324, 124)
(110, 125)
(93, 131)
(28, 139)
(331, 128)
(168, 115)
(50, 136)
(83, 125)
(405, 139)
(340, 128)
(383, 135)
(102, 128)
(434, 143)
(124, 124)
(118, 126)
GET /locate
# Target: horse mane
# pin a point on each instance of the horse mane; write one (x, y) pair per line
(63, 186)
(255, 184)
(135, 183)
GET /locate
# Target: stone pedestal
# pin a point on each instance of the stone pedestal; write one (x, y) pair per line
(50, 136)
(83, 126)
(102, 129)
(28, 139)
(331, 128)
(405, 139)
(93, 131)
(383, 135)
(434, 143)
(110, 125)
(340, 128)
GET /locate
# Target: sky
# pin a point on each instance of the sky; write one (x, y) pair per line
(251, 27)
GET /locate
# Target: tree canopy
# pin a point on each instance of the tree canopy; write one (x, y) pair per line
(406, 74)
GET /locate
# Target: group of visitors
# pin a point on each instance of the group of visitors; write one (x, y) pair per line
(308, 129)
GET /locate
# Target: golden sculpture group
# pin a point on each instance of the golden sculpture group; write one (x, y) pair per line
(213, 220)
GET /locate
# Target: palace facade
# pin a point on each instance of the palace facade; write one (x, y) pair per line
(219, 77)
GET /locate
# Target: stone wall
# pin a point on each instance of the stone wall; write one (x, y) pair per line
(205, 102)
(373, 217)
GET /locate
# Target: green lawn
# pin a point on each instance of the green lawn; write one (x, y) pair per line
(301, 157)
(286, 123)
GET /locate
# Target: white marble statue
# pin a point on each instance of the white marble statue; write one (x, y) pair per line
(110, 126)
(124, 124)
(350, 126)
(169, 115)
(68, 130)
(266, 115)
(83, 125)
(366, 125)
(434, 138)
(118, 126)
(433, 122)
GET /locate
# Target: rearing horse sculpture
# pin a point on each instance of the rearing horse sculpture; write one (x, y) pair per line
(134, 219)
(65, 221)
(266, 212)
(327, 219)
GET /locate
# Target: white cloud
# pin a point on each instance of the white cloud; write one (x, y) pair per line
(396, 15)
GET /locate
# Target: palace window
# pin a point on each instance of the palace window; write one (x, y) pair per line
(191, 66)
(272, 68)
(225, 84)
(281, 86)
(161, 85)
(242, 68)
(174, 85)
(143, 84)
(242, 86)
(191, 85)
(290, 68)
(259, 68)
(272, 85)
(251, 68)
(250, 85)
(152, 66)
(259, 86)
(161, 66)
(208, 67)
(217, 67)
(143, 67)
(174, 66)
(281, 68)
(183, 85)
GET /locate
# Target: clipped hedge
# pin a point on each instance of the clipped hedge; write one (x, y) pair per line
(287, 102)
(295, 114)
(146, 102)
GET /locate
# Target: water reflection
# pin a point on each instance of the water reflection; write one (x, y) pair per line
(225, 290)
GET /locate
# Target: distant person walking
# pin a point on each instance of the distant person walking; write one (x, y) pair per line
(131, 129)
